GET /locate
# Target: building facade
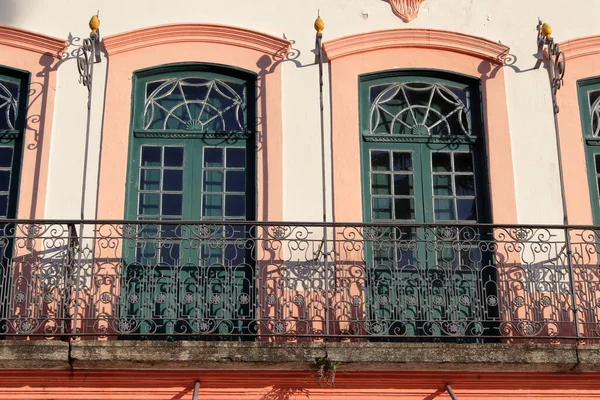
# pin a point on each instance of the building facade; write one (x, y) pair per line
(330, 199)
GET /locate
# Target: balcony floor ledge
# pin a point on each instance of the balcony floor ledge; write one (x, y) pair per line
(355, 356)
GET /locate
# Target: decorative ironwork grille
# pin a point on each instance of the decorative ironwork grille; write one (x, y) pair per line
(9, 105)
(195, 104)
(418, 108)
(594, 101)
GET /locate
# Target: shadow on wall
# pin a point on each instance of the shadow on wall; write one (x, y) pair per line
(35, 123)
(8, 11)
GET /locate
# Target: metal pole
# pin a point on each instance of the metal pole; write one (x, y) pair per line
(451, 392)
(196, 390)
(556, 62)
(89, 53)
(318, 43)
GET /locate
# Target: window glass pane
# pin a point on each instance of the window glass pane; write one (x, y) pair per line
(172, 204)
(463, 162)
(597, 158)
(173, 156)
(212, 206)
(382, 208)
(404, 209)
(465, 185)
(444, 209)
(381, 184)
(6, 156)
(3, 206)
(149, 204)
(441, 162)
(442, 185)
(151, 156)
(150, 179)
(467, 210)
(402, 161)
(173, 179)
(236, 157)
(403, 185)
(236, 181)
(4, 180)
(213, 181)
(380, 160)
(213, 157)
(235, 205)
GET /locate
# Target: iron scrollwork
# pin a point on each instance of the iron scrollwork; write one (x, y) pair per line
(88, 53)
(550, 50)
(239, 278)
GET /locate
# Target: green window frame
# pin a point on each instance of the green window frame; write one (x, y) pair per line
(191, 158)
(423, 161)
(588, 91)
(14, 96)
(14, 88)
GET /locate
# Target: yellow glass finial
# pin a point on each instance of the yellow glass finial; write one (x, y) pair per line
(319, 25)
(546, 30)
(94, 24)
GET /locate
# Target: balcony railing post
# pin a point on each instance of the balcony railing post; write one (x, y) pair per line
(327, 277)
(569, 254)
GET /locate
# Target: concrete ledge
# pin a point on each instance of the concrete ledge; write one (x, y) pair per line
(363, 356)
(354, 356)
(35, 354)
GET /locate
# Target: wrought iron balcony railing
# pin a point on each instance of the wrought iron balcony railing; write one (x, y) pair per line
(212, 280)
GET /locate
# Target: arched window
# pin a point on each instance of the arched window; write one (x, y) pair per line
(422, 149)
(191, 157)
(192, 151)
(423, 162)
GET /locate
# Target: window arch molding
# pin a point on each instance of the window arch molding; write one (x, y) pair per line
(36, 55)
(400, 51)
(576, 141)
(208, 44)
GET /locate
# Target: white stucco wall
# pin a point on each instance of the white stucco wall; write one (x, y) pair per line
(511, 22)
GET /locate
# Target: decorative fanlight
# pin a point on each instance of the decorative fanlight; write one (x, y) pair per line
(407, 10)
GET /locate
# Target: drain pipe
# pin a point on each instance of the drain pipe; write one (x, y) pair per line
(451, 392)
(196, 390)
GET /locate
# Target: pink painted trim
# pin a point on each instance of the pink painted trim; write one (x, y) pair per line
(30, 41)
(142, 55)
(581, 47)
(419, 38)
(42, 66)
(345, 122)
(584, 57)
(209, 33)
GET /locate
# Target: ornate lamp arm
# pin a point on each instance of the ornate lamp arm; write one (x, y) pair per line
(89, 53)
(550, 51)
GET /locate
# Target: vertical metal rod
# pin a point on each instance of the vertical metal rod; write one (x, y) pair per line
(196, 390)
(323, 177)
(572, 282)
(451, 392)
(93, 55)
(561, 179)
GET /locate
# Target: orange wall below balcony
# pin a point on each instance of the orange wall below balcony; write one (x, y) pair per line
(291, 385)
